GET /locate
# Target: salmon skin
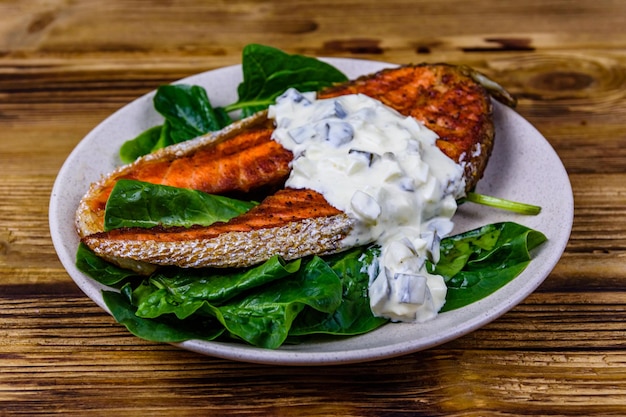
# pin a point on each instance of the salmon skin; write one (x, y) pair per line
(242, 158)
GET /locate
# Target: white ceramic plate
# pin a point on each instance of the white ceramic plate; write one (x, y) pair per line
(524, 167)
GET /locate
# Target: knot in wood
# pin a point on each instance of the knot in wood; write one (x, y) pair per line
(562, 81)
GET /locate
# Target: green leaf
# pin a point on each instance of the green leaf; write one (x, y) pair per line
(268, 72)
(143, 144)
(165, 137)
(99, 269)
(264, 318)
(188, 114)
(188, 110)
(165, 329)
(141, 204)
(477, 263)
(354, 315)
(182, 292)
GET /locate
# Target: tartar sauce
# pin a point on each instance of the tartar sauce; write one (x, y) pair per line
(385, 171)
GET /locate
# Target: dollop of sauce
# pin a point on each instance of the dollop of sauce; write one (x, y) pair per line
(385, 171)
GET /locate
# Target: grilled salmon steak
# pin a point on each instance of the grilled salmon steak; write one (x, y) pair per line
(243, 158)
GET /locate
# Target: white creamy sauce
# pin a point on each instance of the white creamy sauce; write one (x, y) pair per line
(386, 171)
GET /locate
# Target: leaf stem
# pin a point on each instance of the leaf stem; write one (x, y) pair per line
(239, 105)
(501, 203)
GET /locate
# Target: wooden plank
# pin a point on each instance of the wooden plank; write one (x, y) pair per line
(447, 380)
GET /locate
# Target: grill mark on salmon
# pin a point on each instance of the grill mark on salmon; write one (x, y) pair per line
(443, 97)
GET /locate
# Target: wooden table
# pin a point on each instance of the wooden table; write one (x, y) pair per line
(65, 66)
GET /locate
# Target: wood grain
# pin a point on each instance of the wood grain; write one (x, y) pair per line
(65, 66)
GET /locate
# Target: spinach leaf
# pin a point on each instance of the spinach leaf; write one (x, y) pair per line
(100, 270)
(268, 72)
(187, 113)
(354, 315)
(182, 292)
(259, 304)
(141, 204)
(188, 110)
(143, 144)
(166, 329)
(477, 263)
(264, 318)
